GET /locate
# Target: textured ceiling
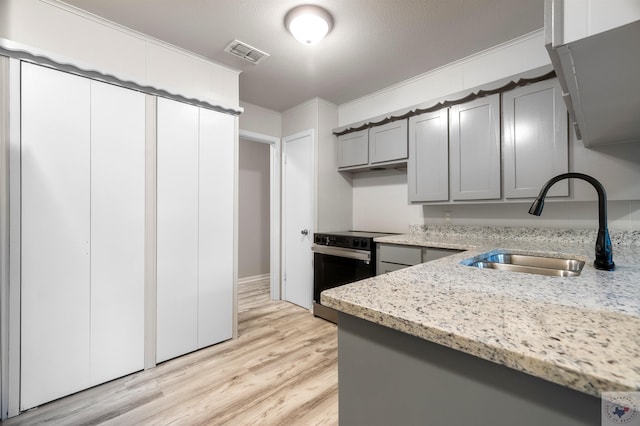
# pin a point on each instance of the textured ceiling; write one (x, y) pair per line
(373, 44)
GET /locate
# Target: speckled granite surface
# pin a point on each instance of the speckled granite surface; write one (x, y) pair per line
(581, 332)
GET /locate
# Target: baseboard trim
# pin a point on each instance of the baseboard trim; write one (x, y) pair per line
(255, 278)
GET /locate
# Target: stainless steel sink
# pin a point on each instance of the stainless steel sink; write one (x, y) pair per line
(551, 266)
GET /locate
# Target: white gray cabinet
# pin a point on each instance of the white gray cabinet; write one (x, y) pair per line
(388, 142)
(593, 47)
(82, 247)
(535, 139)
(475, 149)
(195, 228)
(353, 149)
(428, 166)
(377, 147)
(392, 257)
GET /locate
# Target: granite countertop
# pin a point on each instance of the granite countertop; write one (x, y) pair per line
(581, 332)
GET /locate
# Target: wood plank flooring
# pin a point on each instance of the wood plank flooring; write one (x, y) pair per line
(281, 370)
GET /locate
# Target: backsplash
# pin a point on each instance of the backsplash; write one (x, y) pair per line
(618, 238)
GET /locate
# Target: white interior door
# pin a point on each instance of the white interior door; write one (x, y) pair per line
(117, 231)
(55, 325)
(177, 252)
(215, 242)
(298, 200)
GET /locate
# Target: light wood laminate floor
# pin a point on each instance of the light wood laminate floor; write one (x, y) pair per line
(281, 370)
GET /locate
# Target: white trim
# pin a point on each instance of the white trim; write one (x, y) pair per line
(4, 235)
(60, 62)
(275, 202)
(253, 279)
(151, 212)
(258, 137)
(15, 187)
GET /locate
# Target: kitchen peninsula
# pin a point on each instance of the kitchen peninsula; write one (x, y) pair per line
(446, 343)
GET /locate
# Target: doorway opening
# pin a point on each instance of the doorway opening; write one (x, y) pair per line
(259, 210)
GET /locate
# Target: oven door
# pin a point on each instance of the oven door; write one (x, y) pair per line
(335, 266)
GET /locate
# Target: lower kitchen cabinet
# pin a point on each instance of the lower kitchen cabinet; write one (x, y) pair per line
(391, 257)
(387, 377)
(195, 228)
(82, 245)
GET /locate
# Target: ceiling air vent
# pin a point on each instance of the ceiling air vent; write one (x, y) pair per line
(246, 52)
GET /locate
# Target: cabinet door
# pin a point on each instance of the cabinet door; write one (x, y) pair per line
(475, 149)
(388, 142)
(55, 308)
(535, 137)
(117, 231)
(386, 267)
(215, 243)
(433, 253)
(428, 167)
(353, 149)
(177, 235)
(403, 255)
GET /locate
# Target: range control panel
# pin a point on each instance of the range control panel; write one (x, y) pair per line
(346, 241)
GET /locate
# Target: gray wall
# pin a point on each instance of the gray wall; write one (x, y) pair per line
(253, 216)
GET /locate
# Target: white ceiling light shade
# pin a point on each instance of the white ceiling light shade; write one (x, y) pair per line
(308, 23)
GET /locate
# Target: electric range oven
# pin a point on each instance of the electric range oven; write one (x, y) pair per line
(340, 258)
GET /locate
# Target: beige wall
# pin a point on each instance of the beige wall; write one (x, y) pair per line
(260, 120)
(253, 216)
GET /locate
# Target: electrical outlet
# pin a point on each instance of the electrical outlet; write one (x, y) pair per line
(447, 216)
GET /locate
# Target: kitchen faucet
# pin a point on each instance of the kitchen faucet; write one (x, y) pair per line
(604, 253)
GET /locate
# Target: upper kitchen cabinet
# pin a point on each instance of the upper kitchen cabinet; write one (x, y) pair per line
(594, 49)
(428, 166)
(378, 147)
(353, 149)
(535, 139)
(474, 139)
(388, 142)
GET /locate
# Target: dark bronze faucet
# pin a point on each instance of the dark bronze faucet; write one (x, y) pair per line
(604, 253)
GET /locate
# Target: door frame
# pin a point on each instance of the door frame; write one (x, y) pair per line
(275, 200)
(311, 134)
(10, 283)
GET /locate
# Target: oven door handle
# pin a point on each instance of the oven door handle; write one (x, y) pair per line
(342, 252)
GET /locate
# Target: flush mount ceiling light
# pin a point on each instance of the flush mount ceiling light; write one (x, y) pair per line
(308, 23)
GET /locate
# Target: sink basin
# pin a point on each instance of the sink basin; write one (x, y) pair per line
(551, 266)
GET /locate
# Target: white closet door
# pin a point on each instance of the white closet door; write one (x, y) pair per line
(55, 323)
(177, 222)
(215, 278)
(117, 231)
